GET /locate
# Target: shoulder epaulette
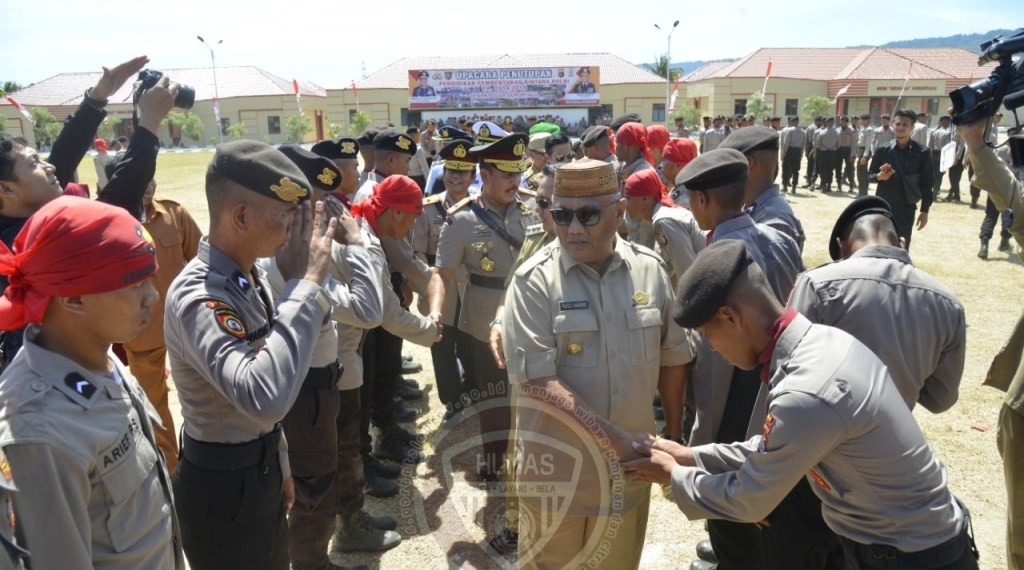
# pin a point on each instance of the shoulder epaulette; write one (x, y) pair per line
(542, 255)
(459, 205)
(528, 192)
(432, 199)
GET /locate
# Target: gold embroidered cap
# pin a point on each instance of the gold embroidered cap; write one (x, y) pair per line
(585, 178)
(507, 154)
(261, 168)
(339, 148)
(456, 156)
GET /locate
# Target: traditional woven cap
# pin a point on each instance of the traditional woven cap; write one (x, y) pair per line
(704, 287)
(585, 178)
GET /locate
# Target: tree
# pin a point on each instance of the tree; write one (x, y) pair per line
(44, 119)
(190, 124)
(757, 107)
(689, 113)
(236, 131)
(10, 87)
(814, 106)
(3, 123)
(108, 127)
(298, 128)
(334, 130)
(360, 120)
(662, 68)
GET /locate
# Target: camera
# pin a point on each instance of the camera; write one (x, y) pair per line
(186, 93)
(1005, 86)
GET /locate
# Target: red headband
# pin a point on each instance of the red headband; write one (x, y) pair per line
(71, 247)
(657, 136)
(647, 183)
(634, 134)
(680, 151)
(398, 192)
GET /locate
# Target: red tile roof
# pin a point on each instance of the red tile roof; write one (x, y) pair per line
(242, 81)
(614, 69)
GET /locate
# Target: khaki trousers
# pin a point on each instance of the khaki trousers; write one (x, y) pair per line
(149, 367)
(1010, 438)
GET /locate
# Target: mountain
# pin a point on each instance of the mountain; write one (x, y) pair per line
(970, 42)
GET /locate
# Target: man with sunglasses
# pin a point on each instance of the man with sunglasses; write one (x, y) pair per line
(588, 339)
(459, 171)
(558, 149)
(484, 235)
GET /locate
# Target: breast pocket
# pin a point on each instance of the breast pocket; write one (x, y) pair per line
(578, 338)
(134, 496)
(644, 334)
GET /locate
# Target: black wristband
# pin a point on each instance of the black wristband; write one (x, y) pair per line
(94, 103)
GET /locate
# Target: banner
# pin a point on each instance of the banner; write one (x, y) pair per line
(504, 88)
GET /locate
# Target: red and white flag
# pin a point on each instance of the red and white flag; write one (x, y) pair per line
(298, 97)
(675, 93)
(841, 92)
(21, 109)
(768, 72)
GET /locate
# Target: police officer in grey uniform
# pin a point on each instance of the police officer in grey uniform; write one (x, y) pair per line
(724, 396)
(392, 152)
(239, 361)
(597, 144)
(835, 420)
(844, 161)
(485, 234)
(865, 145)
(714, 136)
(763, 201)
(883, 134)
(791, 144)
(914, 323)
(812, 171)
(826, 152)
(938, 138)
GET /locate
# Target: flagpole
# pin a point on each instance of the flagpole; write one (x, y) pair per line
(904, 88)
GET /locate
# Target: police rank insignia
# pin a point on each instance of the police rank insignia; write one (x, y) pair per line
(520, 149)
(403, 143)
(80, 385)
(327, 176)
(5, 467)
(641, 298)
(486, 264)
(484, 132)
(288, 191)
(460, 151)
(227, 318)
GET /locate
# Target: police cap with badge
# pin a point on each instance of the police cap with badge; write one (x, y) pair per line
(456, 156)
(447, 133)
(751, 139)
(366, 137)
(488, 132)
(337, 149)
(260, 168)
(704, 287)
(507, 154)
(320, 172)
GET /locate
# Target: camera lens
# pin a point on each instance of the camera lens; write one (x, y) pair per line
(186, 97)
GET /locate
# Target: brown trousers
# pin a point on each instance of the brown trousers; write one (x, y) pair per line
(149, 367)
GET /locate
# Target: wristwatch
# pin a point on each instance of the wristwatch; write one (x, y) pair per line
(496, 322)
(94, 103)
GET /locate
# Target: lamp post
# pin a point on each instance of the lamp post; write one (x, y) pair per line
(668, 71)
(216, 93)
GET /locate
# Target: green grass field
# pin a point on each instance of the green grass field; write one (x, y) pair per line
(990, 290)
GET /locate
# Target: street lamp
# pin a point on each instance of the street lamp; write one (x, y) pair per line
(216, 94)
(668, 71)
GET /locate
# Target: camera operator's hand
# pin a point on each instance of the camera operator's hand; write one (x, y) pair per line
(973, 134)
(155, 103)
(114, 78)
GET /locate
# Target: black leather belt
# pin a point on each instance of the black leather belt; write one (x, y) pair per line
(431, 259)
(323, 377)
(231, 456)
(487, 282)
(886, 557)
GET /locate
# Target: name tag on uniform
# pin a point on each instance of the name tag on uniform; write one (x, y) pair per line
(482, 233)
(573, 305)
(123, 446)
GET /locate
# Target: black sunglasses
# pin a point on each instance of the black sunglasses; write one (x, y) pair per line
(588, 217)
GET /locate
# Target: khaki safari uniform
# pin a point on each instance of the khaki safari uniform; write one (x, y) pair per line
(880, 298)
(605, 337)
(677, 239)
(93, 491)
(836, 419)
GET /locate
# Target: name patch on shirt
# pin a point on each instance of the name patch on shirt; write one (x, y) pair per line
(573, 305)
(122, 448)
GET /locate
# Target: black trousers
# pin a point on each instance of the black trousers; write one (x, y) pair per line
(936, 172)
(232, 519)
(791, 166)
(957, 553)
(420, 181)
(956, 172)
(311, 429)
(489, 394)
(844, 166)
(812, 173)
(862, 173)
(904, 214)
(988, 225)
(382, 366)
(826, 166)
(445, 356)
(351, 480)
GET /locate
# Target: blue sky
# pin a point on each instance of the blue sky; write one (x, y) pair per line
(329, 43)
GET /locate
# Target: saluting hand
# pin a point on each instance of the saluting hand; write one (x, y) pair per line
(114, 78)
(348, 228)
(320, 238)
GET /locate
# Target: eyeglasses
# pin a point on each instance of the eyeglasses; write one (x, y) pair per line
(543, 203)
(588, 217)
(563, 158)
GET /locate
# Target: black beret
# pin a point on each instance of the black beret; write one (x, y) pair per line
(866, 117)
(623, 119)
(794, 119)
(714, 169)
(752, 138)
(337, 148)
(844, 118)
(776, 119)
(394, 141)
(320, 172)
(593, 134)
(862, 206)
(703, 288)
(827, 119)
(260, 168)
(366, 137)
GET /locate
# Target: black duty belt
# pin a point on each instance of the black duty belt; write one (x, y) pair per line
(487, 282)
(231, 456)
(885, 557)
(323, 377)
(431, 259)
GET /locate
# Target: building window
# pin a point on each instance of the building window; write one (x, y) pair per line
(739, 107)
(932, 106)
(792, 108)
(274, 125)
(658, 113)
